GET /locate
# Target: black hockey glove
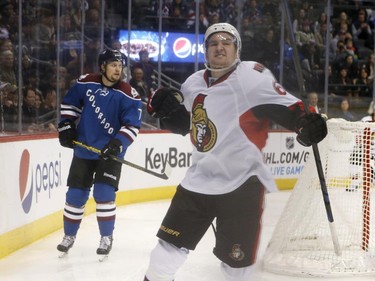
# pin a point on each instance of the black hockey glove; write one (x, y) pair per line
(112, 148)
(311, 128)
(164, 102)
(67, 133)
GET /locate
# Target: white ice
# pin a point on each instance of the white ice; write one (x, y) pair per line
(134, 238)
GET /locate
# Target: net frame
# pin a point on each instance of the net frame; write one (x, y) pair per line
(301, 243)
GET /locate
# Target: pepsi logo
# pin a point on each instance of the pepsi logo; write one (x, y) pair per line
(37, 181)
(26, 191)
(182, 47)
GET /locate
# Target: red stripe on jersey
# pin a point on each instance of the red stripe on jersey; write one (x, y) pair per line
(256, 130)
(259, 67)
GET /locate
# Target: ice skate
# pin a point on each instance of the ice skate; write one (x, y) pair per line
(105, 247)
(65, 245)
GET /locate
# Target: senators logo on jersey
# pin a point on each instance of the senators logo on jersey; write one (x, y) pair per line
(203, 133)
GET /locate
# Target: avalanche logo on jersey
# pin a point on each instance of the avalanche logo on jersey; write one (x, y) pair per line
(26, 192)
(103, 92)
(203, 133)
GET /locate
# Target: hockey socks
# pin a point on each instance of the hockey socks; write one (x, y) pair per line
(72, 219)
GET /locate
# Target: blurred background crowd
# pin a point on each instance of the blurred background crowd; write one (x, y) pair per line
(45, 45)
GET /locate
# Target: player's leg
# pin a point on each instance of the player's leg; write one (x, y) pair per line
(238, 230)
(106, 184)
(79, 181)
(165, 260)
(184, 225)
(237, 274)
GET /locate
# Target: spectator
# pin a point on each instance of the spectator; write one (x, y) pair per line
(6, 44)
(371, 113)
(248, 40)
(351, 65)
(270, 8)
(138, 83)
(214, 18)
(71, 58)
(7, 67)
(229, 12)
(9, 102)
(177, 20)
(44, 36)
(322, 20)
(182, 7)
(47, 113)
(340, 22)
(38, 103)
(148, 69)
(313, 100)
(361, 28)
(269, 51)
(309, 9)
(8, 21)
(344, 111)
(369, 64)
(343, 84)
(251, 10)
(320, 38)
(299, 20)
(29, 112)
(67, 30)
(350, 48)
(342, 35)
(339, 57)
(311, 65)
(363, 83)
(305, 35)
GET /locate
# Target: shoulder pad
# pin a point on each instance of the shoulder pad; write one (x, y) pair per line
(127, 90)
(90, 78)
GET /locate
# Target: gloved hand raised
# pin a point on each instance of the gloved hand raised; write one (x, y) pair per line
(311, 128)
(164, 102)
(67, 133)
(112, 148)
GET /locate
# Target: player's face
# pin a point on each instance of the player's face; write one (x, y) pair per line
(113, 73)
(221, 50)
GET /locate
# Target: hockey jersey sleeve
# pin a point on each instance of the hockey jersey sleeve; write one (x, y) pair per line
(131, 120)
(71, 106)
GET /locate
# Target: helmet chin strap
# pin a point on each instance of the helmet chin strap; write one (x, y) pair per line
(235, 62)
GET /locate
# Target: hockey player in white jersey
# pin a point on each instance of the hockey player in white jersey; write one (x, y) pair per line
(227, 109)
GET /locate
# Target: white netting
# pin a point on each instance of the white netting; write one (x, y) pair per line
(301, 243)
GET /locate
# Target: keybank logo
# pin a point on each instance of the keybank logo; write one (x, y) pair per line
(37, 181)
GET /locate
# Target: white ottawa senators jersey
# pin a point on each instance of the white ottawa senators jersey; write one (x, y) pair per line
(227, 138)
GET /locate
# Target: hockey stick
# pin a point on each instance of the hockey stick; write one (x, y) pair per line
(318, 163)
(165, 175)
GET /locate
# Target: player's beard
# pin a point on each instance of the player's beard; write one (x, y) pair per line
(114, 78)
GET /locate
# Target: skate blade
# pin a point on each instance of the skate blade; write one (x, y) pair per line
(63, 255)
(103, 258)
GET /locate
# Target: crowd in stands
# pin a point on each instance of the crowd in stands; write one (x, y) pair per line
(350, 32)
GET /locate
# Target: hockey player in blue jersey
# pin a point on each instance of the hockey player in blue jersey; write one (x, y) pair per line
(104, 112)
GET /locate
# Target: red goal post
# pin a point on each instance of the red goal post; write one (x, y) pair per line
(302, 242)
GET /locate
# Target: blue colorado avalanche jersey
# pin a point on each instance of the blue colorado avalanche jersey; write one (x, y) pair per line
(102, 113)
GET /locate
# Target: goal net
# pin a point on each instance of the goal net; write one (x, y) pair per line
(302, 243)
